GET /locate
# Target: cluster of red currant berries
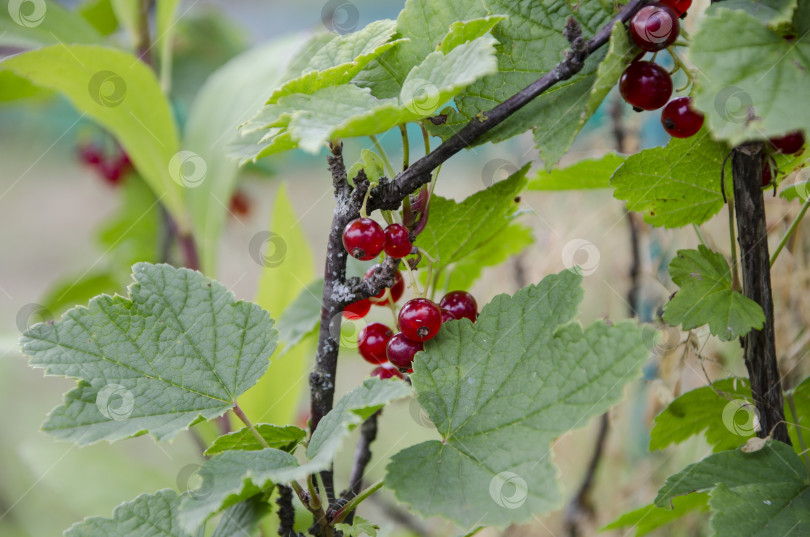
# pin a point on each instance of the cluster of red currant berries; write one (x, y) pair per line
(645, 85)
(112, 168)
(419, 319)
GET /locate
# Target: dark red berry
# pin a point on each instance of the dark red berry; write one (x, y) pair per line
(396, 290)
(401, 350)
(358, 309)
(111, 171)
(680, 119)
(654, 27)
(789, 144)
(420, 319)
(678, 6)
(397, 241)
(767, 173)
(372, 342)
(460, 304)
(447, 316)
(386, 371)
(90, 154)
(363, 238)
(240, 204)
(645, 85)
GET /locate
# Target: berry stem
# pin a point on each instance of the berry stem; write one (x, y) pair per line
(384, 156)
(241, 415)
(791, 229)
(406, 146)
(425, 138)
(735, 273)
(411, 276)
(341, 514)
(699, 234)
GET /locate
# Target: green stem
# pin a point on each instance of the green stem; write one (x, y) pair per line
(425, 138)
(384, 156)
(314, 496)
(798, 429)
(357, 500)
(406, 146)
(735, 273)
(790, 230)
(241, 415)
(700, 236)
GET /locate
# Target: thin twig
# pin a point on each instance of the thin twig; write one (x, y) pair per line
(286, 512)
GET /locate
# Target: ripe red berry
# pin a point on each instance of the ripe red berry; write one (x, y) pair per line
(460, 304)
(645, 85)
(679, 6)
(680, 119)
(447, 316)
(397, 241)
(240, 204)
(372, 342)
(90, 154)
(767, 172)
(396, 290)
(111, 171)
(386, 371)
(358, 309)
(420, 319)
(401, 350)
(789, 144)
(363, 238)
(654, 27)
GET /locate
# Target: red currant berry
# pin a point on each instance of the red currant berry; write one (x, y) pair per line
(645, 85)
(789, 144)
(372, 342)
(680, 119)
(397, 241)
(90, 154)
(460, 304)
(654, 27)
(678, 6)
(767, 173)
(386, 371)
(363, 238)
(358, 309)
(239, 204)
(111, 171)
(447, 316)
(420, 319)
(396, 290)
(401, 350)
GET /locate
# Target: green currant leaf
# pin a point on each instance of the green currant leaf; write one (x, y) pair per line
(727, 416)
(706, 297)
(359, 527)
(675, 185)
(531, 40)
(764, 492)
(29, 25)
(242, 519)
(148, 515)
(506, 243)
(777, 14)
(284, 438)
(649, 518)
(301, 317)
(122, 94)
(371, 163)
(465, 31)
(180, 348)
(585, 174)
(452, 233)
(499, 392)
(798, 421)
(235, 475)
(749, 77)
